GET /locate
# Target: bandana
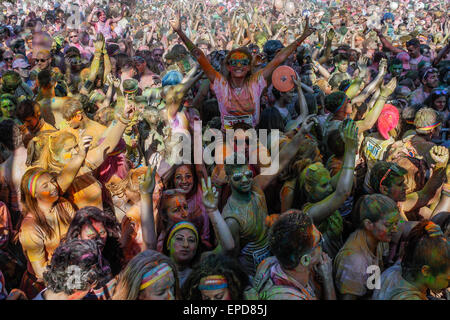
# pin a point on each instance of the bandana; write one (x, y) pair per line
(430, 127)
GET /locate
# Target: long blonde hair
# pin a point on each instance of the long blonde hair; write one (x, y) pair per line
(31, 206)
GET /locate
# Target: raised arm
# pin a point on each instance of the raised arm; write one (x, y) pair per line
(210, 200)
(301, 98)
(147, 186)
(286, 153)
(371, 87)
(326, 56)
(321, 210)
(387, 44)
(196, 52)
(372, 116)
(286, 52)
(115, 131)
(70, 171)
(422, 198)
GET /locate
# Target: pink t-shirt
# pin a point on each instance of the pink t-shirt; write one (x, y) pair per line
(239, 104)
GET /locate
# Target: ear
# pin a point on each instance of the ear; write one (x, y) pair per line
(384, 190)
(308, 188)
(425, 270)
(368, 225)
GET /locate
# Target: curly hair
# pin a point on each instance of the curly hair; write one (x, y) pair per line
(426, 117)
(422, 249)
(213, 264)
(334, 100)
(112, 250)
(81, 254)
(131, 276)
(290, 237)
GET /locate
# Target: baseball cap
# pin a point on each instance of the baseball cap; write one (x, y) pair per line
(20, 63)
(387, 120)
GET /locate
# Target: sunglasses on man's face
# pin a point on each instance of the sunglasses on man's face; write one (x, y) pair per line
(42, 60)
(9, 59)
(236, 62)
(440, 92)
(238, 176)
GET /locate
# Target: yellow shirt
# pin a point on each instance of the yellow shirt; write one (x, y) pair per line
(36, 245)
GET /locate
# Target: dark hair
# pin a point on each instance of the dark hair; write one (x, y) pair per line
(44, 78)
(271, 119)
(290, 237)
(340, 57)
(335, 143)
(334, 100)
(422, 249)
(413, 42)
(10, 134)
(429, 101)
(112, 250)
(83, 254)
(214, 264)
(25, 109)
(379, 170)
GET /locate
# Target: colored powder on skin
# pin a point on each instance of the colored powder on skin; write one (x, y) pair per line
(238, 56)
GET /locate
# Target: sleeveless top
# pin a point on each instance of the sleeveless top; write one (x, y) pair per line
(252, 228)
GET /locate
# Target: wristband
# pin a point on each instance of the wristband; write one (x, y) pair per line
(445, 193)
(88, 84)
(349, 168)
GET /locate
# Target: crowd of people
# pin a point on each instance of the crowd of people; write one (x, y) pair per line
(94, 206)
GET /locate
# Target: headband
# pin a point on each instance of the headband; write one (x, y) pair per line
(213, 283)
(32, 182)
(154, 275)
(130, 91)
(409, 121)
(179, 226)
(430, 127)
(342, 103)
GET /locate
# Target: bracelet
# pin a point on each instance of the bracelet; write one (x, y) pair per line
(123, 120)
(446, 187)
(445, 193)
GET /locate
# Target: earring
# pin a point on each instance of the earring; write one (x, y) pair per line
(305, 260)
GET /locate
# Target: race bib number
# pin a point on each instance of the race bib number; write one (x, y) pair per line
(372, 150)
(230, 121)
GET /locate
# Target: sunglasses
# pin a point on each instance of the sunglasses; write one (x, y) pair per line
(235, 62)
(9, 59)
(42, 60)
(440, 92)
(238, 176)
(391, 168)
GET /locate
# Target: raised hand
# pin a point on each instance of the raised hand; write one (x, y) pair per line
(297, 81)
(325, 266)
(388, 89)
(440, 155)
(129, 109)
(308, 30)
(330, 34)
(210, 195)
(84, 144)
(308, 123)
(362, 62)
(349, 133)
(383, 66)
(147, 185)
(175, 23)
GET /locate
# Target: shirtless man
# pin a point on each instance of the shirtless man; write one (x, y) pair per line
(12, 170)
(51, 105)
(146, 76)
